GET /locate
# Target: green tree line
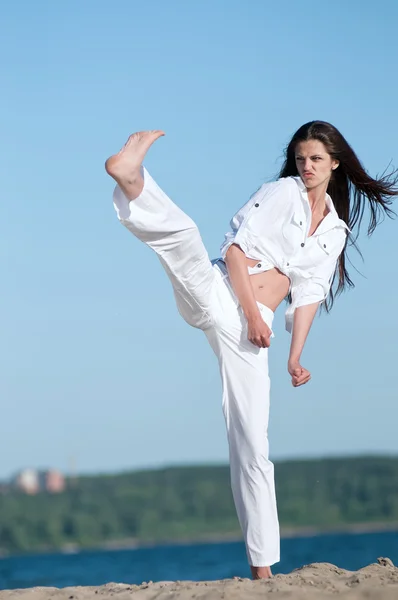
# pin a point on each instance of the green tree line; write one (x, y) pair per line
(194, 502)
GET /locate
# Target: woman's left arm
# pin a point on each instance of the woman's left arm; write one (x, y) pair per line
(306, 300)
(303, 318)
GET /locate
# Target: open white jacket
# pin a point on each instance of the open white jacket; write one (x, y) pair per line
(273, 226)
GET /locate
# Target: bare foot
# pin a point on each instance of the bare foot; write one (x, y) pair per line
(261, 572)
(124, 166)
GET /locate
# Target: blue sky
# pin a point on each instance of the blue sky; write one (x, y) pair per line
(99, 373)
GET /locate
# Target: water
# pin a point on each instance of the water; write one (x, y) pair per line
(195, 561)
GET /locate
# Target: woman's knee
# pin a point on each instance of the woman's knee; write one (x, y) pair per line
(251, 454)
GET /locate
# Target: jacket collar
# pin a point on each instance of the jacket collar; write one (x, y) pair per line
(331, 220)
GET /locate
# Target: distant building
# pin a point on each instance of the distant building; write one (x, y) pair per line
(27, 481)
(52, 481)
(31, 481)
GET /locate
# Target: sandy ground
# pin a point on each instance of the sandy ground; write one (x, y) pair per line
(317, 581)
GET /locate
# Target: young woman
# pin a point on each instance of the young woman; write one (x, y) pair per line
(289, 240)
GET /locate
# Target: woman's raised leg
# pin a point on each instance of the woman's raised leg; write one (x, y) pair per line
(125, 166)
(153, 218)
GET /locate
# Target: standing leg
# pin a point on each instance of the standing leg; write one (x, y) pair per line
(246, 387)
(145, 210)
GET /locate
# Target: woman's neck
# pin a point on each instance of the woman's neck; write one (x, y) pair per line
(317, 197)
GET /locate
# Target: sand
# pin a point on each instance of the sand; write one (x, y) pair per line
(316, 581)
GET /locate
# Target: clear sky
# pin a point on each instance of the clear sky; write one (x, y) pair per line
(99, 373)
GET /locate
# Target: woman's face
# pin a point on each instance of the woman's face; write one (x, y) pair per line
(314, 164)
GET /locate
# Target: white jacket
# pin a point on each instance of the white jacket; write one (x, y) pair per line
(273, 228)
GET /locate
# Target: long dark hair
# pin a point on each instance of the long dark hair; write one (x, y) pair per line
(350, 187)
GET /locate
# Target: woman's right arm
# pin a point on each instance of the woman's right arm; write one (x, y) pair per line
(258, 331)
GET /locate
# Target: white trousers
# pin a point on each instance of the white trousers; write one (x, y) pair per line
(206, 300)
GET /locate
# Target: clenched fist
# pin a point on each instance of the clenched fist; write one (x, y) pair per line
(258, 332)
(299, 375)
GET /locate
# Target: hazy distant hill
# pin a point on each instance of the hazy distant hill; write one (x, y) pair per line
(195, 502)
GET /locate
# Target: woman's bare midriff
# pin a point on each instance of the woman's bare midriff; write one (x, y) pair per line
(269, 287)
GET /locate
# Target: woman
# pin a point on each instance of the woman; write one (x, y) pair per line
(286, 241)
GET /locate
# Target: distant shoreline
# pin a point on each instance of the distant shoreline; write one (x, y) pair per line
(194, 505)
(286, 533)
(234, 536)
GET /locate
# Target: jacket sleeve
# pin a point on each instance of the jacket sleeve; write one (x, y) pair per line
(239, 233)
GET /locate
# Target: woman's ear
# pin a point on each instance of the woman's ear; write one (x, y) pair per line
(335, 165)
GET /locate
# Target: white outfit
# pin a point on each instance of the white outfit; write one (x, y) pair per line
(273, 226)
(206, 300)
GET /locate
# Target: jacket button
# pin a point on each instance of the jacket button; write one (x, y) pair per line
(259, 265)
(287, 264)
(257, 205)
(324, 245)
(301, 222)
(302, 244)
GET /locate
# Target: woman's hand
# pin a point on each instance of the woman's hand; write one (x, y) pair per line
(258, 332)
(299, 375)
